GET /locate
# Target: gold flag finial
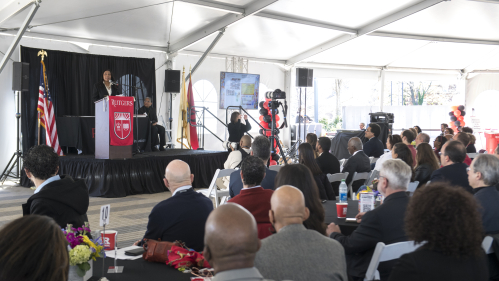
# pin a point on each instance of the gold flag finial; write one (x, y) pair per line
(43, 54)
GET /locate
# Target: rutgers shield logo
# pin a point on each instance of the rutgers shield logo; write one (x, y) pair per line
(122, 124)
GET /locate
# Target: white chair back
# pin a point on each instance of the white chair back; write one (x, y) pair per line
(384, 253)
(487, 245)
(275, 168)
(357, 176)
(412, 187)
(472, 155)
(213, 190)
(342, 161)
(373, 159)
(337, 177)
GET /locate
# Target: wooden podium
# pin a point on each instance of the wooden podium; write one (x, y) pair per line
(103, 130)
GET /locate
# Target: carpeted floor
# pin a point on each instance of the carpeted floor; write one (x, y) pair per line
(128, 215)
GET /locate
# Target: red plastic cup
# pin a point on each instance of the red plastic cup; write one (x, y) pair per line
(109, 239)
(341, 210)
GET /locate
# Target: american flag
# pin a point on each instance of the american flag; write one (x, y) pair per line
(47, 116)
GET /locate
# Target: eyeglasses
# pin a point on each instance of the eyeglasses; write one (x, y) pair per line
(468, 169)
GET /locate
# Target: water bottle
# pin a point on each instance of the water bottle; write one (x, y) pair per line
(343, 192)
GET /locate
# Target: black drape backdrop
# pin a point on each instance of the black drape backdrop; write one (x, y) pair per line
(71, 77)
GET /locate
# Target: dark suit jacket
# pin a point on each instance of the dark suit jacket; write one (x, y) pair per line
(423, 174)
(427, 265)
(488, 197)
(359, 163)
(326, 191)
(65, 200)
(455, 174)
(374, 147)
(151, 112)
(329, 164)
(181, 217)
(235, 184)
(383, 224)
(99, 91)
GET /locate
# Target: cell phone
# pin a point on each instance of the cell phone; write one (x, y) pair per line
(351, 220)
(135, 252)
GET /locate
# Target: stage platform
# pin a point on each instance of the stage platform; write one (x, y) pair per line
(143, 173)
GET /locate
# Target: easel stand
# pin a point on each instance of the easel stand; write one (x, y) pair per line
(15, 160)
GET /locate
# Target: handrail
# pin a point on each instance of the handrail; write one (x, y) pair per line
(205, 109)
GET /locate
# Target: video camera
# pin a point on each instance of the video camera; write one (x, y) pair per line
(275, 95)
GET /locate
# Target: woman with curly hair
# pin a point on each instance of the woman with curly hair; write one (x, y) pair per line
(446, 221)
(299, 176)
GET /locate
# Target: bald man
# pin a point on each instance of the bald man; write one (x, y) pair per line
(182, 216)
(231, 242)
(359, 162)
(297, 253)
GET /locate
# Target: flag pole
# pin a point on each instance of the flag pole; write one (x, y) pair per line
(39, 130)
(183, 113)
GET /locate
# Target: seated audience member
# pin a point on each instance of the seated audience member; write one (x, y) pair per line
(261, 149)
(437, 145)
(401, 151)
(415, 133)
(453, 169)
(467, 130)
(312, 140)
(390, 142)
(182, 216)
(155, 128)
(483, 175)
(362, 126)
(299, 175)
(328, 163)
(253, 197)
(60, 197)
(464, 138)
(443, 126)
(422, 138)
(231, 243)
(446, 222)
(306, 157)
(383, 224)
(448, 131)
(277, 260)
(427, 163)
(301, 119)
(407, 138)
(373, 147)
(236, 157)
(358, 162)
(33, 248)
(471, 147)
(418, 129)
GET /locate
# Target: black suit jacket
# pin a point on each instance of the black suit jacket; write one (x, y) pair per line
(235, 184)
(151, 113)
(329, 164)
(99, 91)
(488, 198)
(383, 224)
(423, 174)
(65, 200)
(427, 265)
(374, 147)
(455, 174)
(181, 217)
(359, 163)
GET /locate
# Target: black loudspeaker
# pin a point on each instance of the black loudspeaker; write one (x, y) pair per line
(20, 76)
(304, 77)
(172, 81)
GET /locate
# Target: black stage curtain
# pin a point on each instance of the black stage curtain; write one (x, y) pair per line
(143, 173)
(71, 78)
(340, 142)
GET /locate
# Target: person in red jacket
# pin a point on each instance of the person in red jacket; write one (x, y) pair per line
(253, 197)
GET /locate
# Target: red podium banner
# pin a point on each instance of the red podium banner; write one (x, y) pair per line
(121, 120)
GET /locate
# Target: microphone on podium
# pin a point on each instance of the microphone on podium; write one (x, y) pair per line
(113, 83)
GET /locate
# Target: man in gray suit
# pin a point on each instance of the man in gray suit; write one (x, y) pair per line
(297, 253)
(231, 242)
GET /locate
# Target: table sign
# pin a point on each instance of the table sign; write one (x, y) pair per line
(366, 203)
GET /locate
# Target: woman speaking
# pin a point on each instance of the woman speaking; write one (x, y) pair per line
(236, 128)
(105, 88)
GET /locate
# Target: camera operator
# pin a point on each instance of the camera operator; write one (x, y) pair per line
(236, 128)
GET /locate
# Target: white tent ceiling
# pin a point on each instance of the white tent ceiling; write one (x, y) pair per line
(431, 34)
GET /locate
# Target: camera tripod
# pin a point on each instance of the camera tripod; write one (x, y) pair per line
(15, 160)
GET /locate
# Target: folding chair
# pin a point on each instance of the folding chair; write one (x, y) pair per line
(337, 177)
(487, 245)
(213, 190)
(412, 187)
(275, 168)
(357, 176)
(384, 253)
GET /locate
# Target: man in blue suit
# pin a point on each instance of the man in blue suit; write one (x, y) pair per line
(261, 149)
(182, 216)
(373, 147)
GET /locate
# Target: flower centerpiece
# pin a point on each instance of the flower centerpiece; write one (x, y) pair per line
(82, 249)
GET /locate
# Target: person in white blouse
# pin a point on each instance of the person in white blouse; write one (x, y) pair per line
(235, 158)
(390, 142)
